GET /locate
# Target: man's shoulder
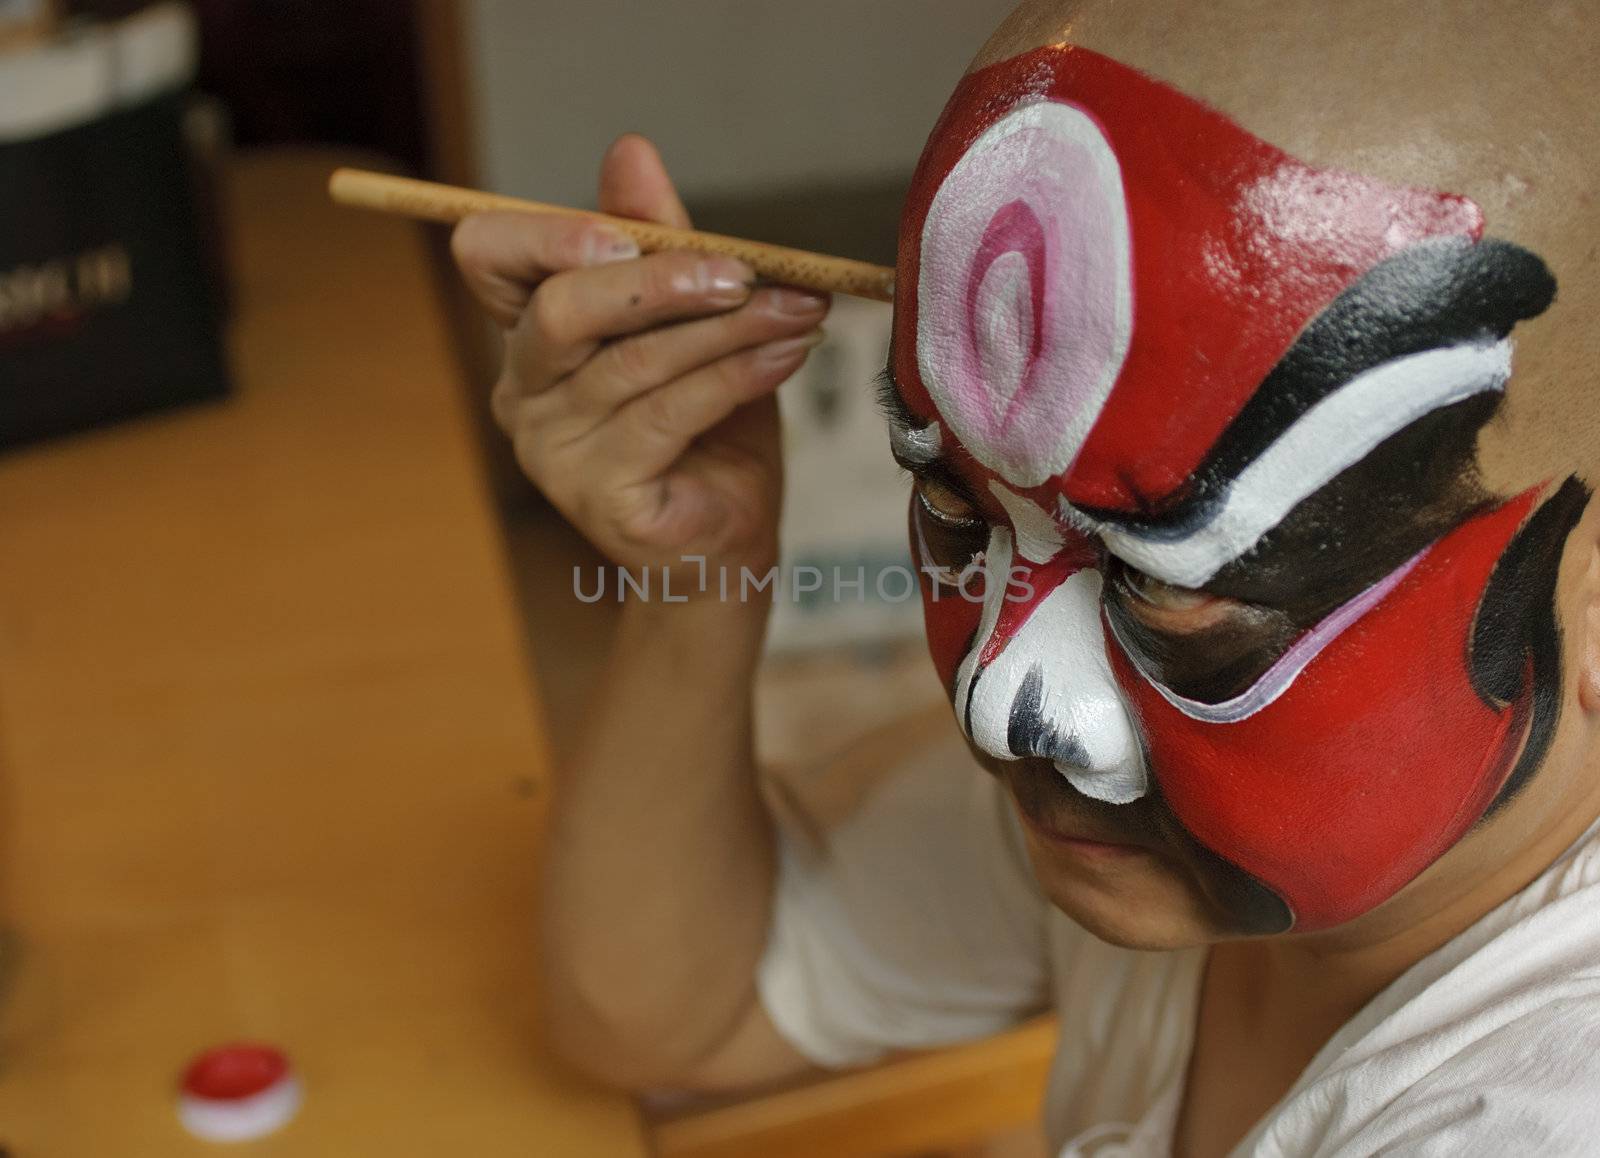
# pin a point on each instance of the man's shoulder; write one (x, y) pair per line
(1531, 1085)
(1489, 1046)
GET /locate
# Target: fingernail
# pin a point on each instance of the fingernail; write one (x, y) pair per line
(790, 348)
(797, 303)
(725, 279)
(601, 246)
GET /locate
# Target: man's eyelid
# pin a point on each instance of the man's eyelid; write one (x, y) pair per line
(941, 475)
(971, 520)
(1124, 568)
(892, 404)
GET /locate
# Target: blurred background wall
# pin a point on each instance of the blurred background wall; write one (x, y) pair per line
(745, 98)
(346, 72)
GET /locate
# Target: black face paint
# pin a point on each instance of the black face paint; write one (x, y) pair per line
(1516, 640)
(1209, 665)
(1030, 735)
(1250, 908)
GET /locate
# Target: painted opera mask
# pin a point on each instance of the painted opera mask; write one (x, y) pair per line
(1199, 524)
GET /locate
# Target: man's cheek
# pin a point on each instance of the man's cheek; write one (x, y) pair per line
(1373, 762)
(952, 620)
(949, 615)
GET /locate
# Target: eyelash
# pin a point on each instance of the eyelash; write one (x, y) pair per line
(1136, 586)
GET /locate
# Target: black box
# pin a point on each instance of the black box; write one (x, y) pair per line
(107, 303)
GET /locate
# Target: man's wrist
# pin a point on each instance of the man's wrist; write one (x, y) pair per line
(699, 621)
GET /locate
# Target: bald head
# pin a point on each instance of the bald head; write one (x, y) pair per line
(1471, 96)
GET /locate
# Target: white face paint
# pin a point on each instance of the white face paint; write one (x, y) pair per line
(1050, 691)
(1038, 537)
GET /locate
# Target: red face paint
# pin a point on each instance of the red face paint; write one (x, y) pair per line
(1375, 761)
(1181, 346)
(1235, 246)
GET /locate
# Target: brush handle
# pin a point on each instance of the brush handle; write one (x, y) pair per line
(449, 203)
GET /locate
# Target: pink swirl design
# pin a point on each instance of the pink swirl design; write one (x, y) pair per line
(1024, 303)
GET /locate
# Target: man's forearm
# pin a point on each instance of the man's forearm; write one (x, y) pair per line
(659, 861)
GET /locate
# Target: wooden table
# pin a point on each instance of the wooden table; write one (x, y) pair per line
(270, 763)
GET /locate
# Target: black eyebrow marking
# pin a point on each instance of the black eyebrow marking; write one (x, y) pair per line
(1435, 294)
(1413, 487)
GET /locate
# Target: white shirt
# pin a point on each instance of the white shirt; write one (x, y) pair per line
(920, 924)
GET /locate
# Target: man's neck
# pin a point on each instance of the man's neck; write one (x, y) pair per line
(1329, 976)
(1269, 1006)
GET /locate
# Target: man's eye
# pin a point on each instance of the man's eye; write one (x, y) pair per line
(952, 534)
(946, 504)
(1163, 597)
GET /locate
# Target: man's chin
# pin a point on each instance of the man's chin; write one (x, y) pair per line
(1148, 906)
(1126, 872)
(1123, 889)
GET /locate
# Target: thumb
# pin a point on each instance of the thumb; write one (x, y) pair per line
(634, 183)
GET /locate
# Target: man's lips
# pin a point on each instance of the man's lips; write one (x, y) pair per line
(1114, 837)
(1067, 838)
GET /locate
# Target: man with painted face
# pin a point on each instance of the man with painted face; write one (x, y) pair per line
(1244, 364)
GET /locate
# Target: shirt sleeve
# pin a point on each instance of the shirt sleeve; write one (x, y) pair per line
(914, 923)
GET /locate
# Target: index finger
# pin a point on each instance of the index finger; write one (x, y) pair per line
(504, 256)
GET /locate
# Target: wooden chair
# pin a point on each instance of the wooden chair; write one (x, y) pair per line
(940, 1102)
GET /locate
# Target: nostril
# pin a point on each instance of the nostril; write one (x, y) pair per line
(1028, 733)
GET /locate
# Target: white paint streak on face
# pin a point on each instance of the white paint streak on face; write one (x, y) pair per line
(915, 445)
(1038, 537)
(1333, 435)
(1050, 691)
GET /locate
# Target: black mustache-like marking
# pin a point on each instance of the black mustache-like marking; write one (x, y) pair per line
(1515, 651)
(1029, 734)
(1257, 909)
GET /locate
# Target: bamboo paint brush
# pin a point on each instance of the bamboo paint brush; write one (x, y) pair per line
(431, 201)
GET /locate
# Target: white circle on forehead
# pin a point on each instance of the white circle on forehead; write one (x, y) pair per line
(1024, 297)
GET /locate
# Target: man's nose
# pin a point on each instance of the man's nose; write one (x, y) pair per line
(1037, 682)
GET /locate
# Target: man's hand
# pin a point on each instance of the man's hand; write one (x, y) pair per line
(638, 391)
